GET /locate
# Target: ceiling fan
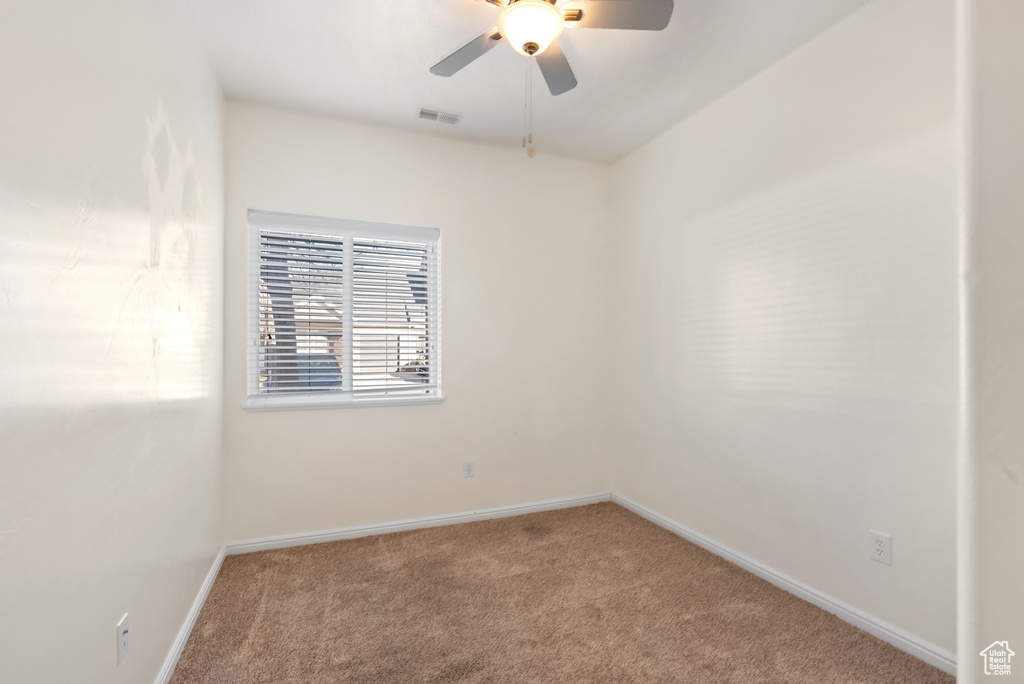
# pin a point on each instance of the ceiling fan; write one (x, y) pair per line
(532, 27)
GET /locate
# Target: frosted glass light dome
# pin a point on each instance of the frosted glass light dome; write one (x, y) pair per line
(530, 26)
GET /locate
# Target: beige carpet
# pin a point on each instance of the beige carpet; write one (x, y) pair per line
(591, 594)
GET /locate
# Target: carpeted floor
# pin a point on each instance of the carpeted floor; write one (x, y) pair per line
(590, 594)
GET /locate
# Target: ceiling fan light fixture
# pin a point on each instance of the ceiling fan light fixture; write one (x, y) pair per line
(530, 26)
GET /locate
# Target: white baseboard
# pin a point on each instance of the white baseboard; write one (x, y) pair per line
(302, 538)
(190, 620)
(929, 653)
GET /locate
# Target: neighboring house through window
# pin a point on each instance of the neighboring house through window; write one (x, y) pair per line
(341, 312)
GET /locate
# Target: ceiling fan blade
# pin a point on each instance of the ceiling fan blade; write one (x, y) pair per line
(641, 15)
(467, 53)
(556, 69)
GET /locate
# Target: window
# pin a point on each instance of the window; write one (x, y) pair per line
(341, 313)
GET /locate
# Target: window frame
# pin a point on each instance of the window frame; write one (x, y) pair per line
(349, 229)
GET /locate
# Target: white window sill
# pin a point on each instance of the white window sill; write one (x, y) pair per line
(306, 404)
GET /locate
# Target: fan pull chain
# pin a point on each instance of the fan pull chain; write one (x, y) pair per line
(528, 111)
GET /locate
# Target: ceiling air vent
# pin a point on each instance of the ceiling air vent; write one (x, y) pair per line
(440, 117)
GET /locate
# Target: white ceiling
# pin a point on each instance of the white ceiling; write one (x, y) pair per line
(368, 60)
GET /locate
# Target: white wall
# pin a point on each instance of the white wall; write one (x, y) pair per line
(991, 541)
(110, 335)
(523, 277)
(786, 296)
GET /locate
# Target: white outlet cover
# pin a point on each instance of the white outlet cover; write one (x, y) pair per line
(881, 547)
(122, 637)
(467, 469)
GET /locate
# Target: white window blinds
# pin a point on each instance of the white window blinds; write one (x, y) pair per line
(341, 312)
(301, 313)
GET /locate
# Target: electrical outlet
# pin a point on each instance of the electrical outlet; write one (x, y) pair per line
(122, 638)
(881, 547)
(467, 469)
